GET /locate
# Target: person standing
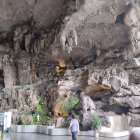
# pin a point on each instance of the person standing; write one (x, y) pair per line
(74, 127)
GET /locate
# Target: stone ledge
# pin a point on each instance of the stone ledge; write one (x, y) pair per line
(42, 129)
(58, 132)
(24, 128)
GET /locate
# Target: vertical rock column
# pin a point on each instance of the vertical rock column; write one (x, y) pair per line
(9, 75)
(24, 74)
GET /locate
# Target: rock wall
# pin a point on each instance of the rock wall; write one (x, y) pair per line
(87, 48)
(105, 41)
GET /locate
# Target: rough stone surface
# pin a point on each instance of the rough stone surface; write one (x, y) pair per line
(53, 48)
(10, 75)
(133, 63)
(60, 122)
(132, 102)
(88, 110)
(44, 13)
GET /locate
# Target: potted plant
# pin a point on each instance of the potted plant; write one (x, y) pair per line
(96, 123)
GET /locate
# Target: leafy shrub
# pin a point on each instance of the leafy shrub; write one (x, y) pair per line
(67, 122)
(41, 111)
(96, 122)
(68, 105)
(50, 120)
(34, 118)
(42, 119)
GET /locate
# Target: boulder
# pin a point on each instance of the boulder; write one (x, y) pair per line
(131, 18)
(87, 111)
(118, 82)
(60, 122)
(132, 102)
(66, 86)
(113, 77)
(134, 110)
(135, 90)
(123, 92)
(132, 64)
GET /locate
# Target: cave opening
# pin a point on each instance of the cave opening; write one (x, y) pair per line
(2, 84)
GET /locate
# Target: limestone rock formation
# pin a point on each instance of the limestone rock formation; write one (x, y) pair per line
(86, 48)
(88, 110)
(44, 13)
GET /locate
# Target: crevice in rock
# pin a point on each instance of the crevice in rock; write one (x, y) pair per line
(115, 108)
(120, 19)
(2, 84)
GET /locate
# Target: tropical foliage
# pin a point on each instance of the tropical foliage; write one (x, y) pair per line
(96, 122)
(66, 106)
(40, 109)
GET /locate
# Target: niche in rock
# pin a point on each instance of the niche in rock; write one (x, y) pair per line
(120, 18)
(2, 85)
(115, 108)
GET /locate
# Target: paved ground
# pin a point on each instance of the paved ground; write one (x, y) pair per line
(32, 136)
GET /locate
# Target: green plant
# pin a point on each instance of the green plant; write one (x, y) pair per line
(42, 119)
(50, 120)
(41, 111)
(96, 122)
(67, 122)
(66, 106)
(34, 119)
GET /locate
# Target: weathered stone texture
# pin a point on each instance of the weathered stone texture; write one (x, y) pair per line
(10, 75)
(43, 12)
(87, 48)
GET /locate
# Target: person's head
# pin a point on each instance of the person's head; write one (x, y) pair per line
(135, 135)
